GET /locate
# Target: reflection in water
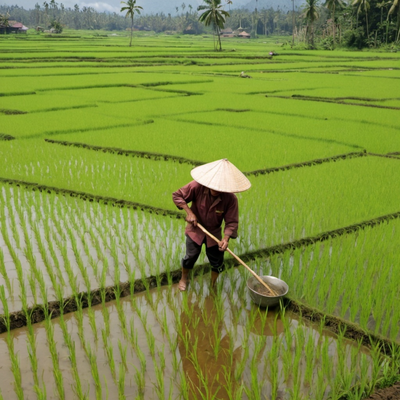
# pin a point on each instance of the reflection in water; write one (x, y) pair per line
(210, 354)
(206, 358)
(189, 346)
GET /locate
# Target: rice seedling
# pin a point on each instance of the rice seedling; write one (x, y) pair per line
(109, 350)
(54, 357)
(95, 372)
(121, 382)
(3, 272)
(60, 246)
(78, 390)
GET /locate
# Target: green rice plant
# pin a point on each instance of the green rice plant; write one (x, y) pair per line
(92, 321)
(53, 255)
(310, 351)
(122, 352)
(49, 268)
(160, 379)
(255, 388)
(121, 382)
(273, 357)
(4, 274)
(77, 388)
(95, 372)
(15, 367)
(105, 313)
(58, 377)
(140, 381)
(321, 384)
(151, 341)
(78, 259)
(73, 280)
(217, 339)
(32, 351)
(109, 350)
(79, 318)
(18, 267)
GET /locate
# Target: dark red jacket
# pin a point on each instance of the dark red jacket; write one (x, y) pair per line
(210, 212)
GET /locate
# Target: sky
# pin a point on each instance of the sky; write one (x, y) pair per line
(149, 6)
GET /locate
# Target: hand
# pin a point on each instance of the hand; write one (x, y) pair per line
(191, 218)
(223, 244)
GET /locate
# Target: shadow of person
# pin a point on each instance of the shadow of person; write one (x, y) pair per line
(208, 353)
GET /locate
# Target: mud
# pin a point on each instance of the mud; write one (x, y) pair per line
(389, 393)
(11, 112)
(4, 136)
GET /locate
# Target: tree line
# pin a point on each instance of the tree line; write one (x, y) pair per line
(316, 23)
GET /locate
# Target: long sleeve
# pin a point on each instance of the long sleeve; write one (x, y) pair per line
(185, 195)
(232, 218)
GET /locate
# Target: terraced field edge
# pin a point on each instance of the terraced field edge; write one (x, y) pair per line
(183, 160)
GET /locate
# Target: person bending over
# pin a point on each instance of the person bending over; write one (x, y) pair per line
(213, 202)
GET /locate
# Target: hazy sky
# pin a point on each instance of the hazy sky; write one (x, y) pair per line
(152, 6)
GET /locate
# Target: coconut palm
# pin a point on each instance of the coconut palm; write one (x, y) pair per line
(131, 8)
(396, 3)
(310, 14)
(214, 15)
(332, 5)
(362, 4)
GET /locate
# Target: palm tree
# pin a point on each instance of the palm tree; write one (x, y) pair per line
(331, 5)
(214, 15)
(396, 3)
(131, 8)
(310, 14)
(362, 4)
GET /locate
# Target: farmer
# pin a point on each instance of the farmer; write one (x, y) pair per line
(213, 201)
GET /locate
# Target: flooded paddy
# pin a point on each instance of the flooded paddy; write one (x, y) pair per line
(327, 135)
(166, 344)
(52, 247)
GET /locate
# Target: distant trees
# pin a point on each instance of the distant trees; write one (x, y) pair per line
(56, 26)
(215, 16)
(351, 23)
(131, 8)
(396, 4)
(362, 5)
(311, 14)
(333, 5)
(3, 22)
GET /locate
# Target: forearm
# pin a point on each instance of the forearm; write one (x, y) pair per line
(190, 216)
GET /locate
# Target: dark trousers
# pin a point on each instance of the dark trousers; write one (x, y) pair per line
(215, 257)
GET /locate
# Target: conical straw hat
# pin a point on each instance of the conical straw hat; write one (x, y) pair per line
(222, 176)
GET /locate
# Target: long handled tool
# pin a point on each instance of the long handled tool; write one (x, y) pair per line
(238, 259)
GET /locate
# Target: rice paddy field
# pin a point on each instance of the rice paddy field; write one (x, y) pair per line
(94, 138)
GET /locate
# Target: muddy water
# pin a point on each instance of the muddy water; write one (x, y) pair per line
(163, 344)
(44, 235)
